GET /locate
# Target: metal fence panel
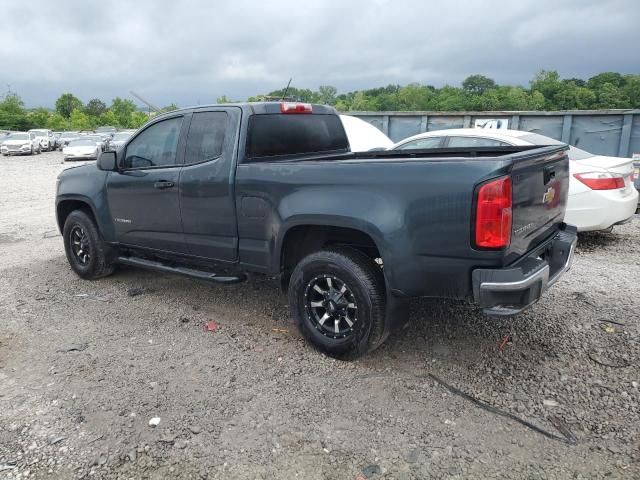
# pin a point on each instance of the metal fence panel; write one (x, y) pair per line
(603, 132)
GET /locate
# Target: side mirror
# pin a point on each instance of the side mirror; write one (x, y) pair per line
(107, 161)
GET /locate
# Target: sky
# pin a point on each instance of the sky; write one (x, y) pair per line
(191, 52)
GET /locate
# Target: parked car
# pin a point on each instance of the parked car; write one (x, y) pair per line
(214, 192)
(107, 130)
(101, 141)
(81, 149)
(20, 143)
(119, 139)
(45, 137)
(363, 136)
(636, 167)
(601, 192)
(66, 137)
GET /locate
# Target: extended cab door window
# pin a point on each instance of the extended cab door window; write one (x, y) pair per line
(470, 142)
(429, 142)
(206, 136)
(156, 146)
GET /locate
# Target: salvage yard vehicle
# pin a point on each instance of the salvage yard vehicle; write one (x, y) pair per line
(119, 139)
(20, 143)
(215, 192)
(46, 139)
(81, 149)
(66, 137)
(601, 190)
(363, 136)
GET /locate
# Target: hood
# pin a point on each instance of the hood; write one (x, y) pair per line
(620, 165)
(17, 142)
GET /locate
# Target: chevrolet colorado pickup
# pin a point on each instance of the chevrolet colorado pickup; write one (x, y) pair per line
(216, 192)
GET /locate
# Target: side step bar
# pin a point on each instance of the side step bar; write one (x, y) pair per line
(189, 272)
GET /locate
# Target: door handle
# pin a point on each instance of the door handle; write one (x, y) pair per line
(163, 184)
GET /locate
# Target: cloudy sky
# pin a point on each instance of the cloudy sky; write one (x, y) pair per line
(191, 52)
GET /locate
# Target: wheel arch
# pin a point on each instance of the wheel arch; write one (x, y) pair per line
(67, 205)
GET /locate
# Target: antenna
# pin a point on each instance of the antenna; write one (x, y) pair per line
(286, 90)
(151, 106)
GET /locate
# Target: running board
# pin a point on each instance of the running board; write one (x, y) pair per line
(189, 272)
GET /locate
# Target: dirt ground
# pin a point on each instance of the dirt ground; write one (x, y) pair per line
(84, 367)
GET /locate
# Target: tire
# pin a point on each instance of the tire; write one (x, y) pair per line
(365, 300)
(32, 150)
(97, 260)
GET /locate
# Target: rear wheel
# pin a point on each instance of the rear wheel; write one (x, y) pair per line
(89, 256)
(337, 299)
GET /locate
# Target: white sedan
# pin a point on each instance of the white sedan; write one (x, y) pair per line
(81, 149)
(601, 190)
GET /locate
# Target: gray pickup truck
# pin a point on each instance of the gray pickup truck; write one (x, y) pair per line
(216, 192)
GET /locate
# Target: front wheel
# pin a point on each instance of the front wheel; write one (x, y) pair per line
(337, 299)
(89, 256)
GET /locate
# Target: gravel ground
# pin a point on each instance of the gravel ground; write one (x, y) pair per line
(85, 366)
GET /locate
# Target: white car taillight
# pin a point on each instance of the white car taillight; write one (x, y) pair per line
(601, 180)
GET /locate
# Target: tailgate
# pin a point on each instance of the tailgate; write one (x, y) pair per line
(540, 188)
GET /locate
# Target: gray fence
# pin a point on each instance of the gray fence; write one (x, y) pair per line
(603, 132)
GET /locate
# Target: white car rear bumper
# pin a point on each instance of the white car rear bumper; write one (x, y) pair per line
(601, 209)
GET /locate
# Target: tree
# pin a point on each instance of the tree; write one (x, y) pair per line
(548, 84)
(478, 84)
(108, 118)
(570, 96)
(67, 103)
(169, 108)
(223, 99)
(13, 116)
(610, 96)
(327, 94)
(95, 107)
(39, 117)
(122, 109)
(597, 81)
(632, 90)
(79, 120)
(57, 122)
(138, 119)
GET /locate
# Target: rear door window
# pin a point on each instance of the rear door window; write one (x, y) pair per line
(282, 135)
(206, 136)
(429, 142)
(471, 142)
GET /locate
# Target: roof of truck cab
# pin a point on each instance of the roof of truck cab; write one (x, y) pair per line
(256, 108)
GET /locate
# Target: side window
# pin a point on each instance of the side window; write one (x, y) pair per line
(156, 146)
(470, 142)
(206, 136)
(429, 142)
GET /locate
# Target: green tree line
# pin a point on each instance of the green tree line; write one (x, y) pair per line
(71, 114)
(546, 91)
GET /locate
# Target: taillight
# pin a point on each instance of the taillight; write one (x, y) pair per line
(601, 180)
(289, 107)
(494, 214)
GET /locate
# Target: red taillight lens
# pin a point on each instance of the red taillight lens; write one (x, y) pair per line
(288, 107)
(601, 180)
(494, 214)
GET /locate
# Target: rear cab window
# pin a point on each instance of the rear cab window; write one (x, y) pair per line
(283, 136)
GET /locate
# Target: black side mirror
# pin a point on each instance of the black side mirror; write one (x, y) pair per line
(107, 161)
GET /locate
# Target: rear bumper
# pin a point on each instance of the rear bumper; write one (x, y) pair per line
(510, 290)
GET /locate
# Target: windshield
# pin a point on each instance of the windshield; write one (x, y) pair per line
(69, 135)
(18, 136)
(283, 135)
(40, 133)
(82, 142)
